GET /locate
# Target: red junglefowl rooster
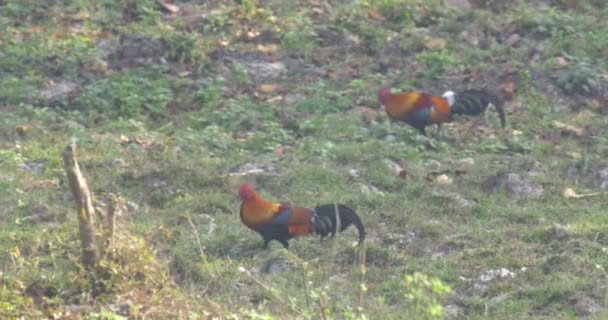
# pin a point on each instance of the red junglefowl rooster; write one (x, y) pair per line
(282, 221)
(420, 109)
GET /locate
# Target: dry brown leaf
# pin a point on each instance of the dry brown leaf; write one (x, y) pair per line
(279, 150)
(34, 29)
(168, 6)
(436, 44)
(509, 88)
(22, 129)
(268, 88)
(375, 15)
(78, 17)
(368, 114)
(268, 48)
(560, 61)
(332, 75)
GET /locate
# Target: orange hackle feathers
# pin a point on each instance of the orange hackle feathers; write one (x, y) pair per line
(420, 109)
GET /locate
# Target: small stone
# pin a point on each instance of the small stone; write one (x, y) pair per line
(443, 179)
(265, 70)
(560, 61)
(557, 232)
(369, 189)
(496, 274)
(514, 184)
(276, 266)
(57, 90)
(585, 305)
(456, 199)
(513, 39)
(433, 165)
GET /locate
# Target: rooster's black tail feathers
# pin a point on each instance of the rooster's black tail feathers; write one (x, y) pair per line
(326, 222)
(474, 102)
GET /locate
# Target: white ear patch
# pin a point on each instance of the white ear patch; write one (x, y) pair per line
(450, 96)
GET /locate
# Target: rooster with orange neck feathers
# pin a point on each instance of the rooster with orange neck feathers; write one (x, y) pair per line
(283, 221)
(420, 109)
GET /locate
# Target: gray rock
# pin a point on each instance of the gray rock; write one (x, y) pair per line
(265, 70)
(452, 311)
(601, 178)
(432, 165)
(585, 305)
(33, 167)
(496, 274)
(514, 184)
(57, 90)
(557, 232)
(455, 199)
(369, 189)
(276, 266)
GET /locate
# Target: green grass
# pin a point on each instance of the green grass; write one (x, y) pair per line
(167, 110)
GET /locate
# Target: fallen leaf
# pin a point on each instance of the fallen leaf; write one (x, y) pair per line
(78, 17)
(368, 114)
(268, 48)
(279, 150)
(560, 61)
(375, 15)
(184, 73)
(570, 129)
(22, 129)
(268, 88)
(34, 29)
(443, 179)
(509, 89)
(570, 193)
(168, 6)
(436, 44)
(332, 75)
(275, 99)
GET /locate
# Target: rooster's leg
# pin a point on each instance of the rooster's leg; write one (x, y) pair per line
(284, 243)
(421, 129)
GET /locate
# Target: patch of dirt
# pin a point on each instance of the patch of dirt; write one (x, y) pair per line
(584, 305)
(58, 90)
(135, 50)
(596, 177)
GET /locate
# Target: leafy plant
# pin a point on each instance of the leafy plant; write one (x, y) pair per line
(579, 77)
(424, 295)
(436, 63)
